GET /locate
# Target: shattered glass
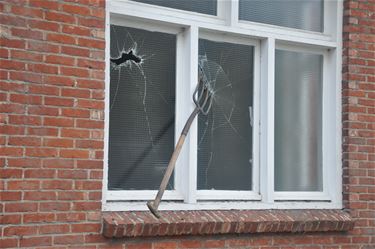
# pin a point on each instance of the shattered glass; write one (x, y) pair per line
(208, 7)
(298, 121)
(299, 14)
(225, 134)
(142, 108)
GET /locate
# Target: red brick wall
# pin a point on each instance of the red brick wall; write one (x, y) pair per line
(51, 132)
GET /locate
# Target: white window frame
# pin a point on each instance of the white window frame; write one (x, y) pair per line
(188, 27)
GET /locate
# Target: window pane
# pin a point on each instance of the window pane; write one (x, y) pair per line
(225, 134)
(299, 14)
(142, 108)
(201, 6)
(298, 121)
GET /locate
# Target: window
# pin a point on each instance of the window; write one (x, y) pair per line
(272, 136)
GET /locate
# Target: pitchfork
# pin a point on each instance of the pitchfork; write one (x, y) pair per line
(202, 98)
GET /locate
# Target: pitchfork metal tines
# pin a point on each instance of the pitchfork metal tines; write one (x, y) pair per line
(202, 98)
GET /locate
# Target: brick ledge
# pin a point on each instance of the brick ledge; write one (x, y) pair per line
(141, 224)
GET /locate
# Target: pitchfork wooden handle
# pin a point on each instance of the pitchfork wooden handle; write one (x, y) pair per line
(154, 205)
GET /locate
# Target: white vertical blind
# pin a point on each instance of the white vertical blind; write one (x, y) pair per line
(298, 121)
(299, 14)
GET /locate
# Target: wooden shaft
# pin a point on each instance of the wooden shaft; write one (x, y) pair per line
(172, 161)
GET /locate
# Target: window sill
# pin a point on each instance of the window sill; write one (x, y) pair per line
(142, 224)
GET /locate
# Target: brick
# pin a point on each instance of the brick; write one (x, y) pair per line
(87, 206)
(78, 93)
(72, 174)
(38, 217)
(45, 90)
(91, 84)
(12, 20)
(54, 206)
(42, 131)
(10, 219)
(59, 38)
(24, 163)
(25, 55)
(59, 17)
(91, 22)
(37, 173)
(64, 153)
(59, 122)
(27, 33)
(11, 151)
(68, 239)
(57, 184)
(45, 4)
(75, 9)
(12, 43)
(10, 196)
(12, 130)
(43, 68)
(73, 71)
(79, 113)
(12, 65)
(23, 185)
(75, 51)
(86, 228)
(25, 77)
(35, 241)
(88, 144)
(29, 99)
(21, 207)
(41, 152)
(76, 30)
(70, 217)
(91, 43)
(90, 164)
(71, 195)
(56, 101)
(44, 25)
(43, 47)
(20, 230)
(91, 124)
(55, 229)
(41, 110)
(8, 242)
(26, 141)
(25, 120)
(58, 80)
(75, 133)
(61, 60)
(58, 142)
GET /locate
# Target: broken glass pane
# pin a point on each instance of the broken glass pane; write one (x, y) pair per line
(298, 121)
(225, 134)
(142, 108)
(299, 14)
(200, 6)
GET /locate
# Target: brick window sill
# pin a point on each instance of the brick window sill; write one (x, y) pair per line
(142, 224)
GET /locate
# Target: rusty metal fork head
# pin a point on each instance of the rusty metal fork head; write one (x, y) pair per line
(202, 95)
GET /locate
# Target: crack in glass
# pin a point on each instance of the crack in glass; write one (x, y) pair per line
(229, 122)
(142, 81)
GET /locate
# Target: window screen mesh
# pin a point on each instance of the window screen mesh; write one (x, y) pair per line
(299, 14)
(298, 121)
(225, 134)
(142, 108)
(200, 6)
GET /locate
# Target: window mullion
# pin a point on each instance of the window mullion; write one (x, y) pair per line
(228, 10)
(187, 71)
(267, 119)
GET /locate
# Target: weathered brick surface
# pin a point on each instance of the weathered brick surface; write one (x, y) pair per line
(51, 134)
(145, 224)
